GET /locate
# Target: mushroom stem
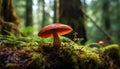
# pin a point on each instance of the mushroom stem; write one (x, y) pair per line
(57, 41)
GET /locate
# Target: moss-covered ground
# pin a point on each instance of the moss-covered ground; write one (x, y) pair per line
(37, 53)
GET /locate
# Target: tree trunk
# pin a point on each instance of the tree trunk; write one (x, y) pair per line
(43, 13)
(105, 14)
(106, 18)
(8, 19)
(70, 13)
(38, 11)
(118, 19)
(56, 11)
(29, 19)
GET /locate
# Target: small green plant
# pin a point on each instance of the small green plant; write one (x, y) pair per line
(28, 30)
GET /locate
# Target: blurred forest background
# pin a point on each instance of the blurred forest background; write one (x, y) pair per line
(102, 16)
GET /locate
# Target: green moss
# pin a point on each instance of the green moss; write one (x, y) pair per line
(12, 65)
(88, 59)
(111, 55)
(70, 55)
(113, 51)
(38, 61)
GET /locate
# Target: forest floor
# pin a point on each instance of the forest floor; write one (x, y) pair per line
(37, 53)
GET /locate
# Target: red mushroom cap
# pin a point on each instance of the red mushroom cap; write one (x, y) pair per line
(48, 30)
(101, 42)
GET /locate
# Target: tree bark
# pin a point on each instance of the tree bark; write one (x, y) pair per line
(8, 19)
(105, 14)
(70, 13)
(43, 13)
(56, 11)
(29, 19)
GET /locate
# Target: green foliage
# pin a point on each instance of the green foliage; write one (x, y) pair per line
(28, 30)
(101, 11)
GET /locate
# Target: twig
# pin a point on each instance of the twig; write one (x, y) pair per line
(105, 33)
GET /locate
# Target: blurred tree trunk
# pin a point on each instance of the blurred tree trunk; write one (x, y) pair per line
(55, 5)
(118, 19)
(8, 19)
(43, 13)
(106, 18)
(85, 5)
(70, 13)
(106, 14)
(29, 19)
(56, 11)
(38, 11)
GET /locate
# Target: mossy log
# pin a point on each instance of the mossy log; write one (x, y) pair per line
(36, 53)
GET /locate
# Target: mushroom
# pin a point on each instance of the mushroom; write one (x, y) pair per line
(101, 42)
(54, 30)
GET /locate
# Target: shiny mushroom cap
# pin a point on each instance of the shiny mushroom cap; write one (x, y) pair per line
(48, 30)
